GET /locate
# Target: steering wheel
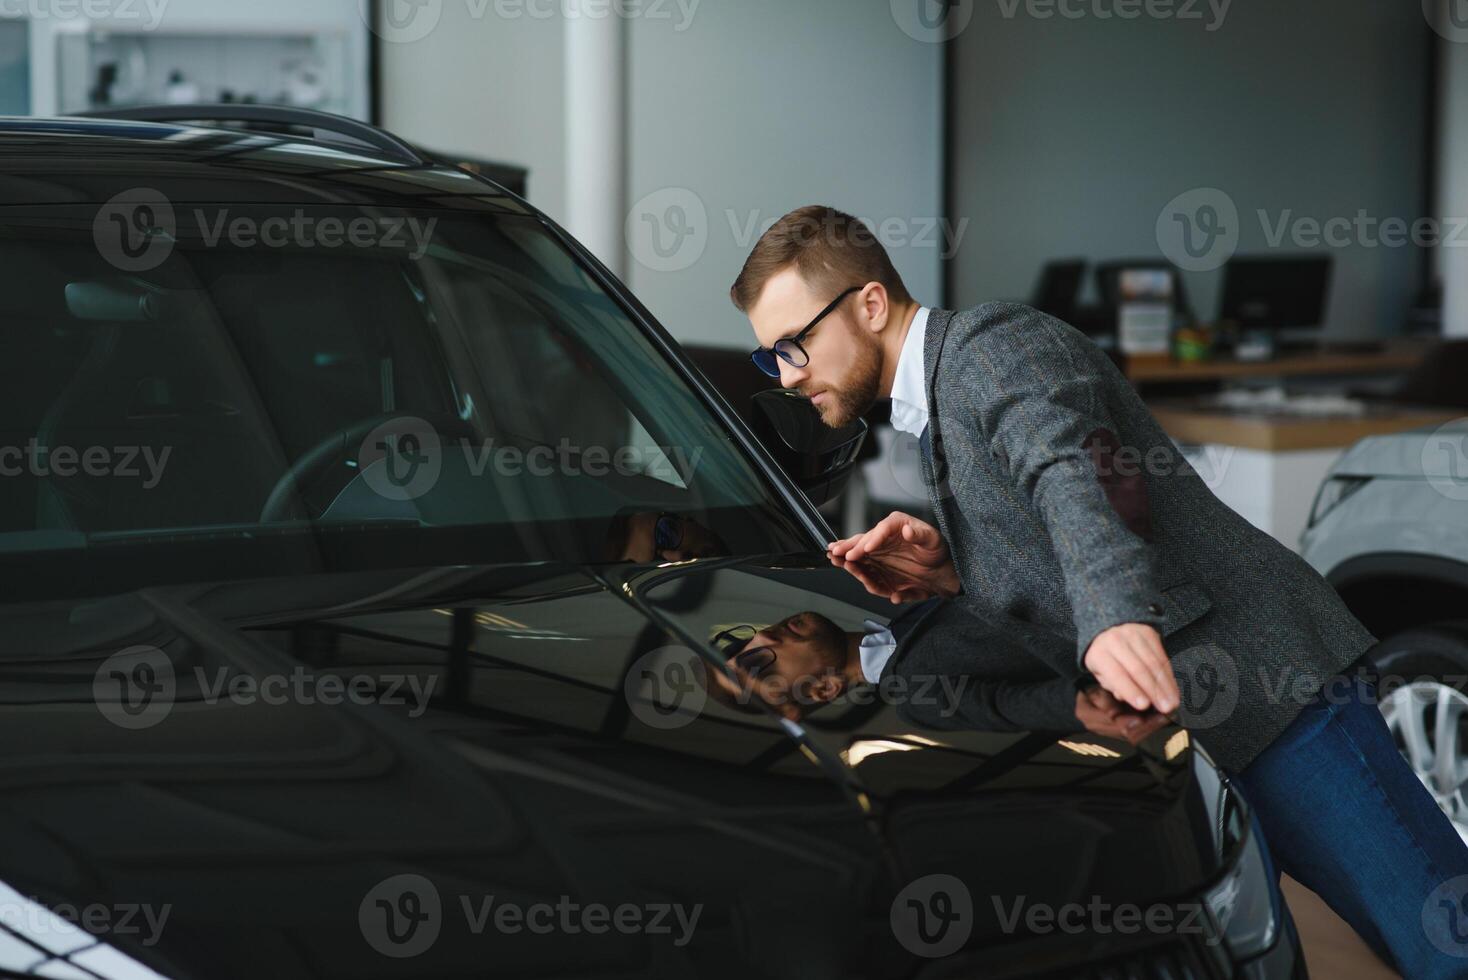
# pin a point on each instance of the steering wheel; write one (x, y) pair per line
(284, 502)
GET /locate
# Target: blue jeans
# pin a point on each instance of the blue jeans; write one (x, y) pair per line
(1344, 815)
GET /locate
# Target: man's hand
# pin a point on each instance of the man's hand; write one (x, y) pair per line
(1102, 714)
(1129, 661)
(902, 558)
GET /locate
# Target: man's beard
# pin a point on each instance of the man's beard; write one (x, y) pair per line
(857, 394)
(831, 640)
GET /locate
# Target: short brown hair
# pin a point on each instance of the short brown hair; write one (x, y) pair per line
(832, 250)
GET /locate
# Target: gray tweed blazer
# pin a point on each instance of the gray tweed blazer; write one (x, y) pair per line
(1006, 685)
(1064, 504)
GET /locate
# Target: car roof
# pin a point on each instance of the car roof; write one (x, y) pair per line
(89, 161)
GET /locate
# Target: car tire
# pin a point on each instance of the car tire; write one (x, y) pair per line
(1424, 672)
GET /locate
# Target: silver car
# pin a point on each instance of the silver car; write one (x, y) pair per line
(1389, 529)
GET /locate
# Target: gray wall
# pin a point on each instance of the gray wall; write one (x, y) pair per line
(484, 86)
(1073, 135)
(739, 111)
(759, 107)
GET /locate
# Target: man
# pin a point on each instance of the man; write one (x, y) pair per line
(957, 672)
(647, 536)
(1060, 501)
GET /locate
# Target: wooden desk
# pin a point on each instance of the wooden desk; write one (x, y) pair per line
(1397, 356)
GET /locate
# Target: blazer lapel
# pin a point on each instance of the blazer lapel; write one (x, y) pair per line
(937, 332)
(913, 619)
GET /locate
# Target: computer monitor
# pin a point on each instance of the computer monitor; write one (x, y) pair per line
(1276, 293)
(1059, 288)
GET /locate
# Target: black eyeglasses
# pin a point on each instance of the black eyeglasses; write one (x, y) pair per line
(667, 533)
(789, 349)
(734, 642)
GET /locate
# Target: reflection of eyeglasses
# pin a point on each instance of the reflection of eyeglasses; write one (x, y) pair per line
(789, 349)
(667, 533)
(734, 643)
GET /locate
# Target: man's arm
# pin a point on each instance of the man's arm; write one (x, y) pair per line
(1055, 705)
(997, 705)
(1038, 401)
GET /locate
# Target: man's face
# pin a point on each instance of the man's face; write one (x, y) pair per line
(801, 654)
(695, 540)
(844, 372)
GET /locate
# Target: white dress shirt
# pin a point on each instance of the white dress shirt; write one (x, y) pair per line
(909, 385)
(877, 648)
(910, 415)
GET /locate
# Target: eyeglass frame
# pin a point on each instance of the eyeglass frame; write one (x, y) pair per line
(664, 521)
(744, 648)
(775, 350)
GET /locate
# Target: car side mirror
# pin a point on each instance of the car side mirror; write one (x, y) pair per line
(819, 459)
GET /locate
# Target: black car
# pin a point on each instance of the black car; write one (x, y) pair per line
(367, 548)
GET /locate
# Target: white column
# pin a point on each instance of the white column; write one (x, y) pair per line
(1452, 189)
(596, 133)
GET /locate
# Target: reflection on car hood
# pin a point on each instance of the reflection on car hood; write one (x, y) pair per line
(1428, 453)
(276, 773)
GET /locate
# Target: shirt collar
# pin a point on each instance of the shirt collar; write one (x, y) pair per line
(877, 647)
(909, 385)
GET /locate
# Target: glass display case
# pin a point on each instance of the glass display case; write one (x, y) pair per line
(100, 69)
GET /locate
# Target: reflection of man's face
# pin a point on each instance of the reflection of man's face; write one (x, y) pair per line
(803, 653)
(694, 540)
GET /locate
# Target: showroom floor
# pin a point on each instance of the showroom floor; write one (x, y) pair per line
(1332, 948)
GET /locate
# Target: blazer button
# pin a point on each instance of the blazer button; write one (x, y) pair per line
(1155, 609)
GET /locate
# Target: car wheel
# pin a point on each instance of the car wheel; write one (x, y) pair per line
(1425, 703)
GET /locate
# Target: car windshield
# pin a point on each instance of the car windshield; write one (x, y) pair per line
(264, 391)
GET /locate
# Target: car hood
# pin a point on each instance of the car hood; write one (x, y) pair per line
(271, 778)
(1427, 453)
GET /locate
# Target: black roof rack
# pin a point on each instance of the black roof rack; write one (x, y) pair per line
(286, 116)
